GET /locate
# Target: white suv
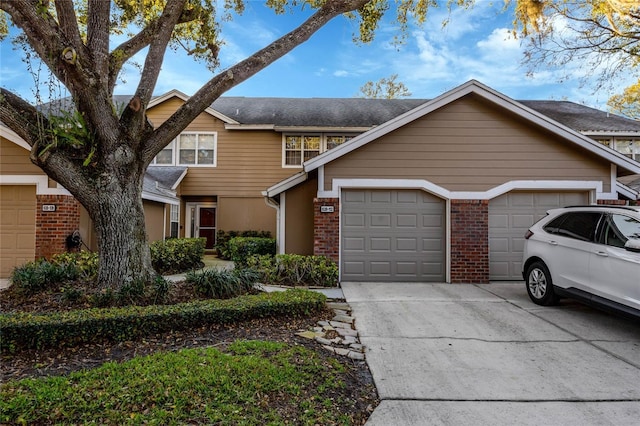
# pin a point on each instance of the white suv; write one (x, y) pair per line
(589, 253)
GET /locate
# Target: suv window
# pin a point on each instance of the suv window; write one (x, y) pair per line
(579, 225)
(618, 229)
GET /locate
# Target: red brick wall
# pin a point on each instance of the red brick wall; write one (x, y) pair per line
(326, 228)
(52, 228)
(469, 241)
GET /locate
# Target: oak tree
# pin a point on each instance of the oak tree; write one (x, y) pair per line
(100, 153)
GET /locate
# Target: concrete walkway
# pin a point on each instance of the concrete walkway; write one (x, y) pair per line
(446, 354)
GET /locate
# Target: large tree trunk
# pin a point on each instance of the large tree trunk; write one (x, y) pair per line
(120, 227)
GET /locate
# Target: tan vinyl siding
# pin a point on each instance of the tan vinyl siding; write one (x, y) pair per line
(299, 218)
(244, 214)
(14, 160)
(470, 146)
(248, 162)
(154, 220)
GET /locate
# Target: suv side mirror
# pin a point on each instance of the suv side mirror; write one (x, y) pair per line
(633, 245)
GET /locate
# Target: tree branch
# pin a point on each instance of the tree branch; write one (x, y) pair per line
(68, 21)
(240, 72)
(20, 116)
(98, 38)
(153, 62)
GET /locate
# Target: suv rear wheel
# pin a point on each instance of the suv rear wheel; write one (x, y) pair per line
(540, 285)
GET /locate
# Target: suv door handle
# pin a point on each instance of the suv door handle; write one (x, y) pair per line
(602, 253)
(553, 243)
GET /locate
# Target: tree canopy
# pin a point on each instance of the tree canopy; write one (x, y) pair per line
(385, 88)
(602, 36)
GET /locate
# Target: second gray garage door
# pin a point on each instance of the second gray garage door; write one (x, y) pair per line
(392, 235)
(510, 215)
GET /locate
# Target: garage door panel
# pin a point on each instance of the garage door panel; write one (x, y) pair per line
(354, 220)
(380, 244)
(510, 215)
(17, 226)
(403, 236)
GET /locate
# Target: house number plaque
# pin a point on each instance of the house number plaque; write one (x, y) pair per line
(48, 207)
(326, 209)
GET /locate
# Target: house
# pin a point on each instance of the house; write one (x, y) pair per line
(470, 158)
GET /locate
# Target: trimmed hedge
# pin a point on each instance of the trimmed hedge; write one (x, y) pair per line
(223, 237)
(242, 248)
(177, 254)
(295, 270)
(36, 331)
(223, 284)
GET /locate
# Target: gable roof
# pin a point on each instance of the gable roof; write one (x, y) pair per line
(520, 109)
(156, 100)
(160, 183)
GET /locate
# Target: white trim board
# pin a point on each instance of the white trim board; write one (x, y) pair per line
(551, 185)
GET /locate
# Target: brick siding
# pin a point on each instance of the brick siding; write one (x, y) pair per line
(469, 241)
(326, 231)
(52, 228)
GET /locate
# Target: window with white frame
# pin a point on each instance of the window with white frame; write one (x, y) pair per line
(628, 147)
(174, 220)
(189, 149)
(299, 148)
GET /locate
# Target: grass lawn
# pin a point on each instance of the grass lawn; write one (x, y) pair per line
(245, 383)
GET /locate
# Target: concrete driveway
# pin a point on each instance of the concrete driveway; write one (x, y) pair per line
(447, 354)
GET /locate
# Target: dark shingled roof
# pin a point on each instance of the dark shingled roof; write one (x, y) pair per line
(583, 118)
(322, 112)
(357, 112)
(158, 180)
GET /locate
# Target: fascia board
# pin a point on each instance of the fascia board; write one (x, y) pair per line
(179, 180)
(12, 136)
(286, 184)
(178, 94)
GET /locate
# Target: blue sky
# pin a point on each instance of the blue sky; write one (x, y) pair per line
(476, 44)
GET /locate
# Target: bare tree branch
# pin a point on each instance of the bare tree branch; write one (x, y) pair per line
(98, 37)
(238, 73)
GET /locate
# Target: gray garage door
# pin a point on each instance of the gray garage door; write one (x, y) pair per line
(510, 215)
(392, 235)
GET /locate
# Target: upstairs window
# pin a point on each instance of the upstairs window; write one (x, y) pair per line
(189, 149)
(299, 148)
(628, 147)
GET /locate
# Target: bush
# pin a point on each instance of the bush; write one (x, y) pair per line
(41, 275)
(222, 284)
(223, 237)
(35, 331)
(86, 262)
(295, 270)
(241, 248)
(177, 254)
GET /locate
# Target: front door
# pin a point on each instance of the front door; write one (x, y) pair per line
(203, 223)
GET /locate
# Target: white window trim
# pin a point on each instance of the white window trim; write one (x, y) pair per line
(323, 144)
(175, 157)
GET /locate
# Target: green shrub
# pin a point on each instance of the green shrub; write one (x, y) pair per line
(222, 284)
(177, 254)
(295, 270)
(35, 331)
(41, 275)
(86, 262)
(241, 248)
(223, 237)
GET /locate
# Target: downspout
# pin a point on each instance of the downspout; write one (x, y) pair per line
(271, 202)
